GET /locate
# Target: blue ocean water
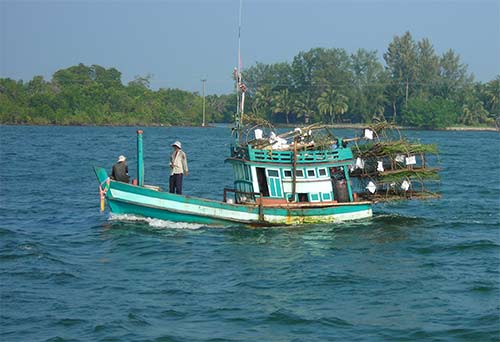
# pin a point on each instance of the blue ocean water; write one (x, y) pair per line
(416, 271)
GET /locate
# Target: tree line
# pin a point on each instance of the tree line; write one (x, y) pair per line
(94, 95)
(416, 87)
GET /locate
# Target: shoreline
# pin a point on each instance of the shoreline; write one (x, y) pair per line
(340, 126)
(451, 128)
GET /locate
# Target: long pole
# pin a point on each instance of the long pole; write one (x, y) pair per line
(140, 160)
(203, 123)
(294, 171)
(237, 79)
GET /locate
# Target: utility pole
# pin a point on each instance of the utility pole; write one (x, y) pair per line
(203, 123)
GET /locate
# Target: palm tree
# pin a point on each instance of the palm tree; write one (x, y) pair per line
(474, 114)
(467, 117)
(283, 103)
(332, 103)
(326, 102)
(303, 111)
(492, 91)
(340, 106)
(263, 100)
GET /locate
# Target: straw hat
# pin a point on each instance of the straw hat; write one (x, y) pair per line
(121, 158)
(178, 144)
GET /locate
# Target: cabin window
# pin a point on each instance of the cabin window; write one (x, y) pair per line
(287, 173)
(299, 173)
(272, 173)
(303, 197)
(314, 198)
(311, 173)
(322, 172)
(327, 197)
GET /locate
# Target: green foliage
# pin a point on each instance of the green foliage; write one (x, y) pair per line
(408, 90)
(367, 100)
(419, 174)
(283, 104)
(430, 113)
(391, 148)
(94, 95)
(332, 103)
(415, 87)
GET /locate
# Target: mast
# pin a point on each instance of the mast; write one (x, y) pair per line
(240, 87)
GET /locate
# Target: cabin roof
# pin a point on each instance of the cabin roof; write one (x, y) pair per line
(248, 153)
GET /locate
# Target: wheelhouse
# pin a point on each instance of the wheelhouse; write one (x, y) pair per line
(274, 176)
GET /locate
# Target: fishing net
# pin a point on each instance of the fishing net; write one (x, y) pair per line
(391, 167)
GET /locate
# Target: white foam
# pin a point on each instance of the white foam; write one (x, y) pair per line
(156, 223)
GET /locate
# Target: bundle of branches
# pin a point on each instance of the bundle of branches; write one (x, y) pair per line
(249, 122)
(414, 174)
(310, 137)
(391, 196)
(391, 166)
(402, 187)
(322, 140)
(385, 131)
(390, 176)
(393, 148)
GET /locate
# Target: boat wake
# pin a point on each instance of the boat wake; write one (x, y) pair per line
(155, 223)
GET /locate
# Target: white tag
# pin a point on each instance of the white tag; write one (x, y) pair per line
(368, 134)
(405, 185)
(411, 160)
(258, 133)
(380, 166)
(371, 187)
(360, 163)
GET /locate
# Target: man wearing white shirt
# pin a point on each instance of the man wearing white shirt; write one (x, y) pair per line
(178, 168)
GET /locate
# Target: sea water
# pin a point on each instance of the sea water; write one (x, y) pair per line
(416, 271)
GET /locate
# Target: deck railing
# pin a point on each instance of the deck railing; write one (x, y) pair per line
(250, 198)
(303, 157)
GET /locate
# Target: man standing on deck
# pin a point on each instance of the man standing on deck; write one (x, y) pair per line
(120, 170)
(178, 168)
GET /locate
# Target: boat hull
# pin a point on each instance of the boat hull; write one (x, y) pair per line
(130, 199)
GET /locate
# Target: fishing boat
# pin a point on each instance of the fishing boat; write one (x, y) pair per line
(271, 187)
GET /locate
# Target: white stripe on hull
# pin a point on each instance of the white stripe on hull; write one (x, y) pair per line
(232, 215)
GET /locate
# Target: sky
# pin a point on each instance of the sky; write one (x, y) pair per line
(181, 42)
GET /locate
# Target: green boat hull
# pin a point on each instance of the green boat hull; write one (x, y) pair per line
(125, 198)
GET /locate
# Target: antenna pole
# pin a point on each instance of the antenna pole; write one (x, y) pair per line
(237, 79)
(203, 123)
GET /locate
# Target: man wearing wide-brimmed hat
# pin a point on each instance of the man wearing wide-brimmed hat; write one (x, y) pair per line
(178, 168)
(120, 170)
